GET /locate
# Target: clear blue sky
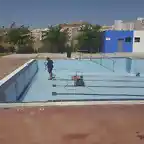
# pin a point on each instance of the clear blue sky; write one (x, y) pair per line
(40, 13)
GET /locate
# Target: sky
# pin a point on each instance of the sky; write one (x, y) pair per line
(41, 13)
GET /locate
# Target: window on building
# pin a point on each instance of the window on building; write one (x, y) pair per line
(128, 39)
(137, 39)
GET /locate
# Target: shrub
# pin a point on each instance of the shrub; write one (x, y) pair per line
(25, 50)
(2, 49)
(11, 49)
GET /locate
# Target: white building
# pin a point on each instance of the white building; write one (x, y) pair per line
(72, 30)
(137, 24)
(138, 41)
(37, 33)
(118, 24)
(105, 28)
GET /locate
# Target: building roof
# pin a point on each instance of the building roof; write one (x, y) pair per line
(73, 24)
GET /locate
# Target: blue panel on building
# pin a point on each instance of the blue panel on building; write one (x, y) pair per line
(117, 41)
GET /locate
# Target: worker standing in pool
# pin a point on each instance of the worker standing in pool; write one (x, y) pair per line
(49, 65)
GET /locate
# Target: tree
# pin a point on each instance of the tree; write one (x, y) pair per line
(55, 39)
(89, 38)
(3, 44)
(21, 38)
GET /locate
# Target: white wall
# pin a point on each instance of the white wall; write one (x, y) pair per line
(118, 24)
(138, 46)
(13, 86)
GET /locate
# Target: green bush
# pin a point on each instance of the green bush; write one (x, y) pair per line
(2, 49)
(11, 49)
(2, 54)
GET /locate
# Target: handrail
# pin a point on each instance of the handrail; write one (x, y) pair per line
(103, 65)
(107, 57)
(81, 53)
(102, 56)
(114, 61)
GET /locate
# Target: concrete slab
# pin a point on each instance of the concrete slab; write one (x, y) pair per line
(110, 124)
(7, 65)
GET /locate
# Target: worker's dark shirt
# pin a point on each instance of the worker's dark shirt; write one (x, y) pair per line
(50, 64)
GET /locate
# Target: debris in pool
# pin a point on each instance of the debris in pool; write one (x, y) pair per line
(54, 85)
(138, 74)
(54, 93)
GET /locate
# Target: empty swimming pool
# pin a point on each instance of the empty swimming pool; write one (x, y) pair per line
(105, 79)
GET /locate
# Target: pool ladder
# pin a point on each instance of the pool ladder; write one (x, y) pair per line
(102, 56)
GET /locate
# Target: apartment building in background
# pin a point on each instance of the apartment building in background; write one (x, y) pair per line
(105, 28)
(137, 24)
(37, 33)
(72, 30)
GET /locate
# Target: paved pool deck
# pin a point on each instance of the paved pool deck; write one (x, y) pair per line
(64, 56)
(97, 55)
(8, 65)
(99, 124)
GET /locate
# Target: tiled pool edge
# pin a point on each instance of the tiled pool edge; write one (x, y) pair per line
(14, 85)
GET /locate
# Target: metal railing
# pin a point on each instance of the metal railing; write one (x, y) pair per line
(103, 57)
(113, 61)
(81, 54)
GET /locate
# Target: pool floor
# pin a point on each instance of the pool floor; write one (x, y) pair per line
(101, 82)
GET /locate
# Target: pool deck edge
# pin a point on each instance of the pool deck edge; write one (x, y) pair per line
(37, 104)
(13, 73)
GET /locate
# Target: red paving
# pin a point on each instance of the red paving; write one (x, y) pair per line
(101, 124)
(7, 65)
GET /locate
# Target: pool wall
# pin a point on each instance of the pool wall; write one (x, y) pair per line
(13, 86)
(137, 66)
